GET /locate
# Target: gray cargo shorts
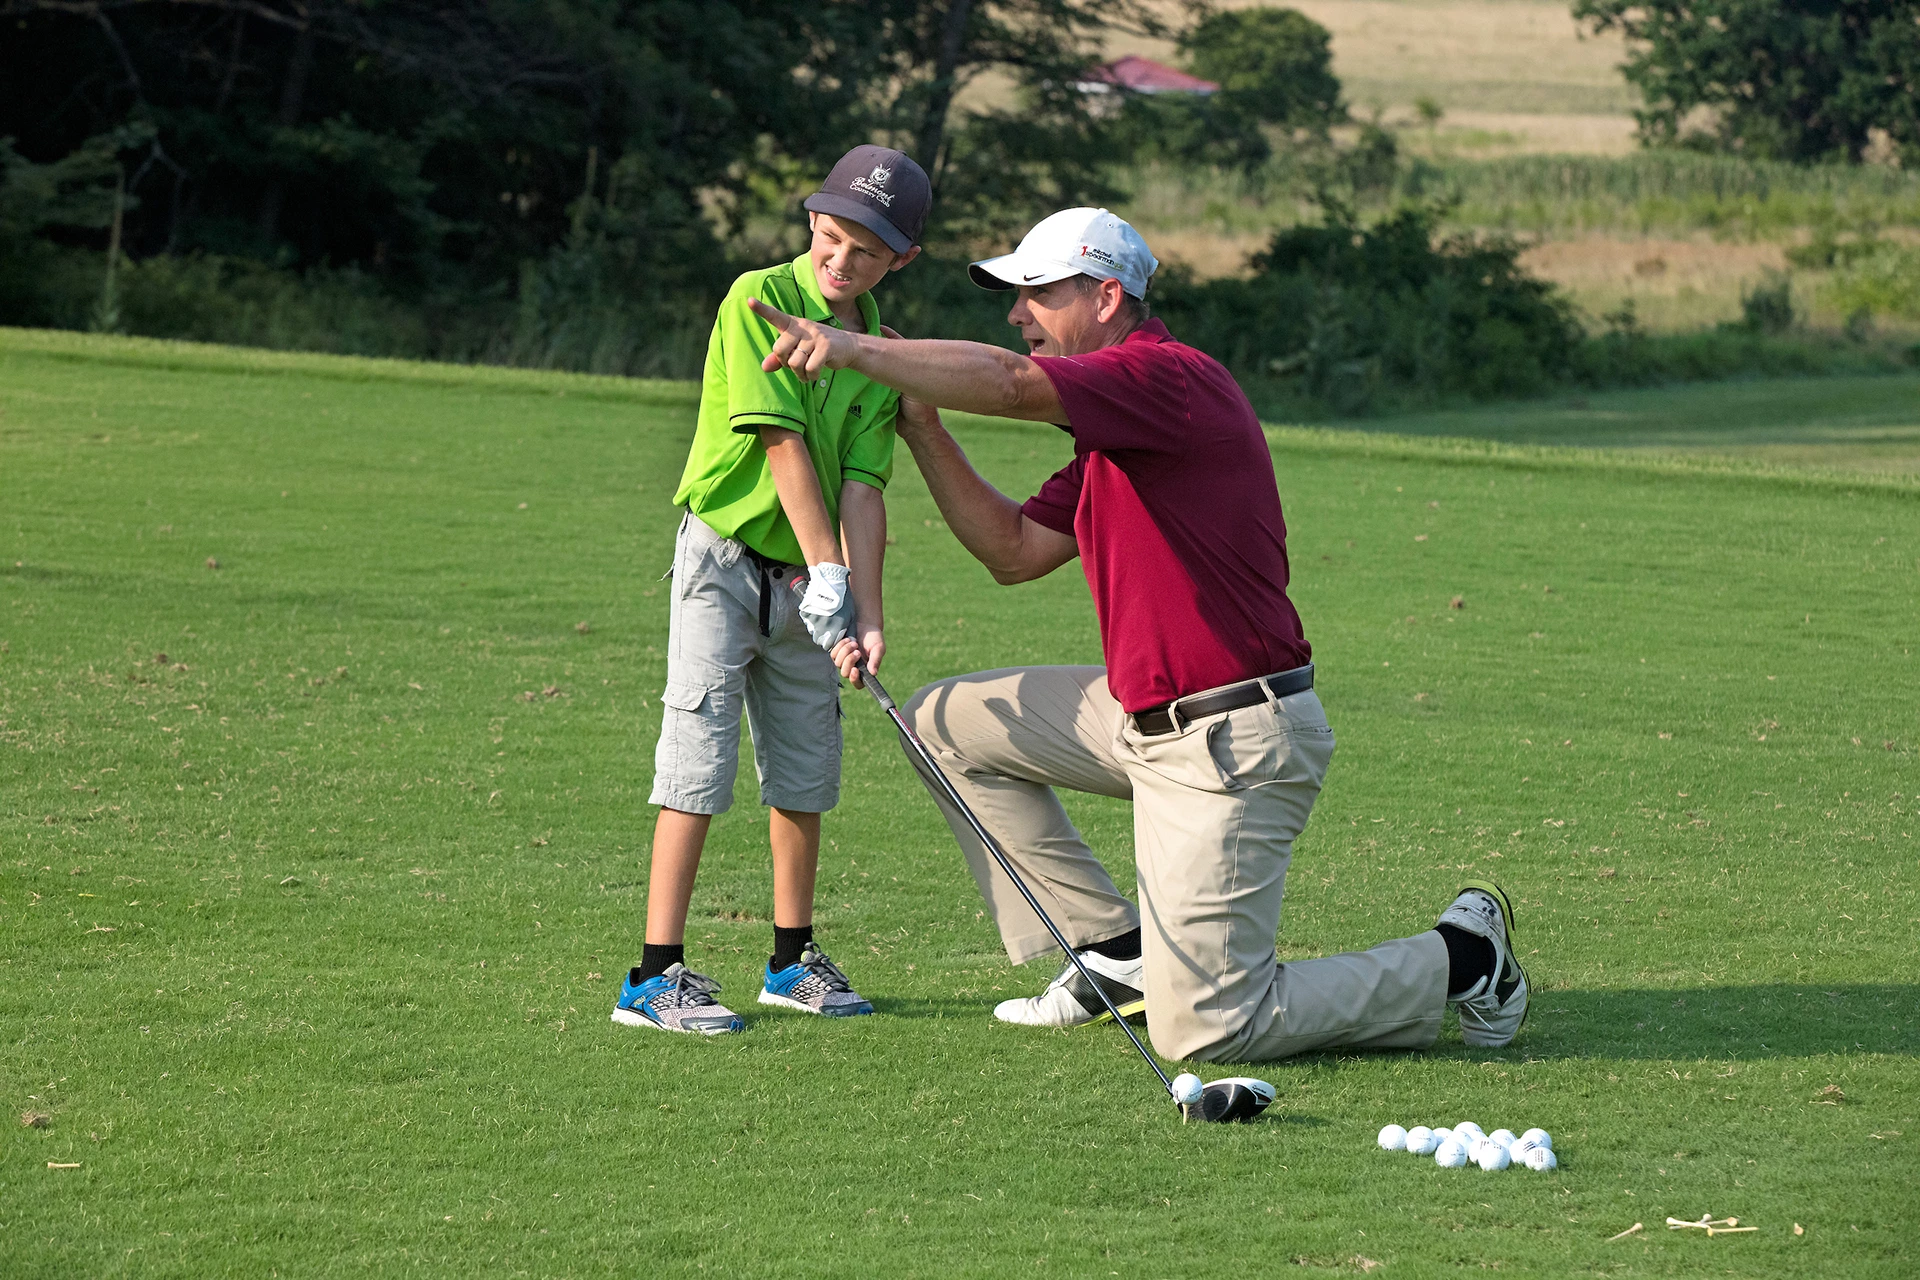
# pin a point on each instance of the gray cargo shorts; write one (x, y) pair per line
(719, 660)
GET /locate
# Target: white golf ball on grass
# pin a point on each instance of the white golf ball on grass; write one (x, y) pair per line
(1421, 1140)
(1537, 1138)
(1491, 1156)
(1541, 1159)
(1393, 1138)
(1502, 1136)
(1187, 1088)
(1450, 1154)
(1467, 1131)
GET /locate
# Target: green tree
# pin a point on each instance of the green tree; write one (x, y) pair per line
(1275, 71)
(997, 168)
(1782, 79)
(1274, 65)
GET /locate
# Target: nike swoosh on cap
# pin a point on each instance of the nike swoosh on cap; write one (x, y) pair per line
(1030, 279)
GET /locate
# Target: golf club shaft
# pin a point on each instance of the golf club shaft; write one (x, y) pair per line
(985, 837)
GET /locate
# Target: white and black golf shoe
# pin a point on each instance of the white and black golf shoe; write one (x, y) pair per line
(1070, 1001)
(1492, 1010)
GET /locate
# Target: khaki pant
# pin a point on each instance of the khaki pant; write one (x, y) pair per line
(1217, 805)
(720, 662)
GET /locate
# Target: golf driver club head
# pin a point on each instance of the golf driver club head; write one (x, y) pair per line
(1234, 1098)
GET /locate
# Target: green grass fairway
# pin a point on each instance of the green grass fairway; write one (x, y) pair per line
(1867, 424)
(309, 931)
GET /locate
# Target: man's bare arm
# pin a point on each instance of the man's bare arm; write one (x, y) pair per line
(798, 485)
(987, 522)
(969, 376)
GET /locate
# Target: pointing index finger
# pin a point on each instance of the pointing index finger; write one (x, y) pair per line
(772, 315)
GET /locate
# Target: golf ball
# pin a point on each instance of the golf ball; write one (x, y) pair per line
(1393, 1138)
(1538, 1138)
(1186, 1088)
(1441, 1135)
(1466, 1127)
(1502, 1136)
(1450, 1154)
(1420, 1140)
(1492, 1157)
(1541, 1159)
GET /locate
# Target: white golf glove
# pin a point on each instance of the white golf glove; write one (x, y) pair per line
(827, 608)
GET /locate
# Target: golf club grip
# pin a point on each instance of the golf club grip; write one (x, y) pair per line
(992, 846)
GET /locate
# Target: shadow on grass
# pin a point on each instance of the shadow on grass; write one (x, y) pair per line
(1771, 1020)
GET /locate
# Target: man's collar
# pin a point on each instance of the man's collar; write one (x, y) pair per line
(1154, 330)
(817, 308)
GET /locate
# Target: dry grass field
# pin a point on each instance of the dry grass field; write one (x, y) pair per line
(1514, 77)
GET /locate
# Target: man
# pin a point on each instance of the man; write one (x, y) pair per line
(1204, 715)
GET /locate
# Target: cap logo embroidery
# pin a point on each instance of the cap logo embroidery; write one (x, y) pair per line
(873, 186)
(1099, 255)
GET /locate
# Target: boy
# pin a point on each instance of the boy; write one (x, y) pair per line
(783, 491)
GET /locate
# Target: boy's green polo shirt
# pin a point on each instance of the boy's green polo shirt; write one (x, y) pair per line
(846, 419)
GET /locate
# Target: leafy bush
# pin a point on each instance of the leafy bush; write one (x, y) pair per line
(1885, 280)
(1349, 318)
(1767, 307)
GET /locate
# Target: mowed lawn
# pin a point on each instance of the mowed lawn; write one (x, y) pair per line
(1867, 424)
(310, 929)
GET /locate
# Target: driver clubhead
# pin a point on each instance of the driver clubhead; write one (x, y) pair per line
(1234, 1098)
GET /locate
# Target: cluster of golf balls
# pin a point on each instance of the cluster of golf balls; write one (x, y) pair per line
(1466, 1143)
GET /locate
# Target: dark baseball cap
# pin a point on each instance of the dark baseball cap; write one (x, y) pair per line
(881, 189)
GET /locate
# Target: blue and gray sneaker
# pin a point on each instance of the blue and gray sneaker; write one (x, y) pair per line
(814, 985)
(677, 1000)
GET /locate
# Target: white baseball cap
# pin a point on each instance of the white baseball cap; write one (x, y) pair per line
(1073, 242)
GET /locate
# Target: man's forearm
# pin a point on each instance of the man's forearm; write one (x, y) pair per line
(798, 485)
(986, 521)
(971, 377)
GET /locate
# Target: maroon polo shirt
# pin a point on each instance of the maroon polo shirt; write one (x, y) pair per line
(1172, 499)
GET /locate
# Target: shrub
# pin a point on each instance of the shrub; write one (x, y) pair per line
(1885, 281)
(1768, 306)
(1349, 318)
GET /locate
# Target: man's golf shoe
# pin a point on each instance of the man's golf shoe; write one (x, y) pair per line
(677, 1000)
(814, 984)
(1070, 1001)
(1493, 1010)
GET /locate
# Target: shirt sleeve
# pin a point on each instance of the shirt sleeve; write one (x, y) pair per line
(1059, 498)
(869, 455)
(756, 399)
(1132, 395)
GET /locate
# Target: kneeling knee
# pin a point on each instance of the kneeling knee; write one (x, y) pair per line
(1188, 1037)
(924, 712)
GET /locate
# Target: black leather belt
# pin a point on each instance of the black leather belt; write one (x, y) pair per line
(1155, 721)
(771, 571)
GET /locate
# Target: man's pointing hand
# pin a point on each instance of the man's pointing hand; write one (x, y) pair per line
(805, 346)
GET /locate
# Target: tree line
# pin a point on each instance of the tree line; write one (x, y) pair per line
(570, 182)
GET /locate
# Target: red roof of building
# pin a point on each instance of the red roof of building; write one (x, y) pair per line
(1144, 75)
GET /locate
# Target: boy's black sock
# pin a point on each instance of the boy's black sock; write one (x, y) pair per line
(1125, 946)
(658, 957)
(1469, 958)
(788, 944)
